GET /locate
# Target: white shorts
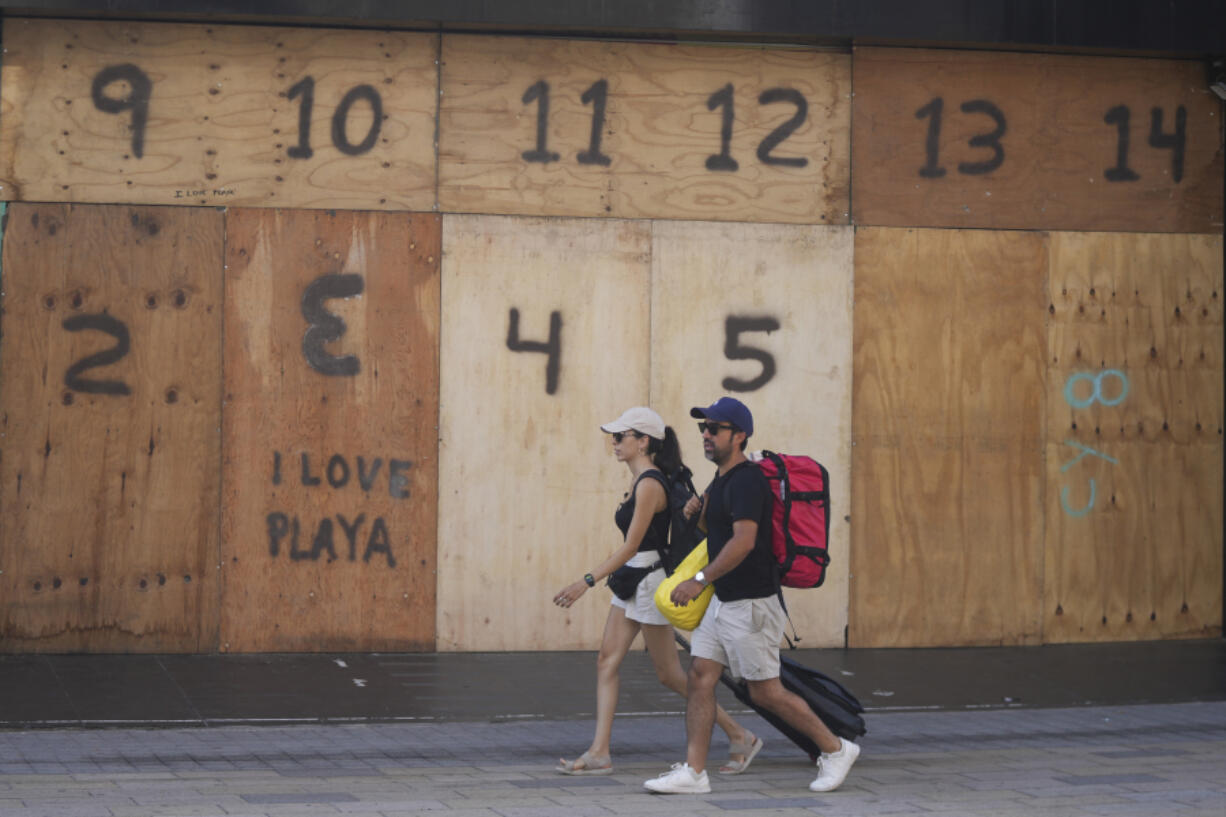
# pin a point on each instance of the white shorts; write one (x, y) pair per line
(743, 636)
(641, 607)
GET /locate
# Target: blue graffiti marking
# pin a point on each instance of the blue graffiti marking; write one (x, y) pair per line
(1076, 513)
(1097, 394)
(1085, 449)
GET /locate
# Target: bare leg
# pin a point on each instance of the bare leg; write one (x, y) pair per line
(619, 633)
(700, 711)
(793, 709)
(663, 651)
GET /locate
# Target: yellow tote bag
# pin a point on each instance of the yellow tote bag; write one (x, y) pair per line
(689, 616)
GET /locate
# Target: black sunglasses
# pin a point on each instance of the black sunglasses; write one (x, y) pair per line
(714, 428)
(618, 436)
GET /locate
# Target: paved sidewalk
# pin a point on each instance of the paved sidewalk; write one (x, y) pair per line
(1162, 759)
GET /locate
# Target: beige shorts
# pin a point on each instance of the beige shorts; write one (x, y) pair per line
(742, 635)
(641, 607)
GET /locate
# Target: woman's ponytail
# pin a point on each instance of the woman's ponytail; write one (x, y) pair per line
(666, 453)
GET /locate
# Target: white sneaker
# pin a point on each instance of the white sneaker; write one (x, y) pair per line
(680, 780)
(834, 766)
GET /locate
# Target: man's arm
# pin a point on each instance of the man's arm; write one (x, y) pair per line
(744, 534)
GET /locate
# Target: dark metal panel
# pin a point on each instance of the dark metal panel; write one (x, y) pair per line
(1192, 27)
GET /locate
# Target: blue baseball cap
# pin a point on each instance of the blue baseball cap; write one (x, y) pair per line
(727, 410)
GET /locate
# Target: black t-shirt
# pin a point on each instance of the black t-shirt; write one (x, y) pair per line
(749, 497)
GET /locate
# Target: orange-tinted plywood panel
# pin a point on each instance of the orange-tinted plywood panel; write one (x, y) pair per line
(330, 475)
(1034, 141)
(110, 412)
(947, 468)
(121, 111)
(637, 130)
(547, 337)
(1134, 437)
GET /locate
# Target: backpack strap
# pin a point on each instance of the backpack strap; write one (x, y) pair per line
(683, 477)
(778, 570)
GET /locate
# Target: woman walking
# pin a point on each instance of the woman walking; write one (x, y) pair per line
(650, 450)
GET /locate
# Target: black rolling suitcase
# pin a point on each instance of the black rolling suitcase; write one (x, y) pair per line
(829, 700)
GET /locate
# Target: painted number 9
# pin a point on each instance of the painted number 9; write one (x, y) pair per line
(140, 88)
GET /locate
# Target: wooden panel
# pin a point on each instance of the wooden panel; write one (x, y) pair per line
(1030, 141)
(1134, 437)
(330, 449)
(661, 126)
(110, 412)
(947, 476)
(528, 484)
(782, 294)
(197, 114)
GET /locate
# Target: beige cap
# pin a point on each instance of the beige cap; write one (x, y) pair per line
(640, 419)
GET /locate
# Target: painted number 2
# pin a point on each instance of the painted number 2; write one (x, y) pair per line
(114, 327)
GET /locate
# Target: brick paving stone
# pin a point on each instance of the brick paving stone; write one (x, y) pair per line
(1085, 762)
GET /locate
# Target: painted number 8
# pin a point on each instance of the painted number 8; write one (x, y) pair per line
(1096, 395)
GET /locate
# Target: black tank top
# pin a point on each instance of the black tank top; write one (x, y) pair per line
(656, 536)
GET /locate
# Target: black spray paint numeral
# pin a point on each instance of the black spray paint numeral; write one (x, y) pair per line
(539, 93)
(932, 168)
(597, 96)
(140, 89)
(932, 142)
(114, 327)
(723, 160)
(734, 327)
(324, 327)
(1175, 141)
(339, 119)
(305, 88)
(1120, 116)
(776, 137)
(985, 140)
(552, 347)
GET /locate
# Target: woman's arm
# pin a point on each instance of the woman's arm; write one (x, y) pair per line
(649, 499)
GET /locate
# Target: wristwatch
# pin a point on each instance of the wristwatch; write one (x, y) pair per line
(700, 578)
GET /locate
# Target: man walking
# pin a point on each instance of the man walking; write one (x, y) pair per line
(743, 625)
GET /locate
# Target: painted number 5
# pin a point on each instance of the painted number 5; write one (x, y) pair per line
(734, 327)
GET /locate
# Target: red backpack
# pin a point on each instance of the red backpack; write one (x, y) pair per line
(800, 516)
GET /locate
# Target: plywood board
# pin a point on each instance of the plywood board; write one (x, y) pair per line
(1134, 437)
(763, 312)
(330, 478)
(109, 418)
(1035, 141)
(528, 484)
(636, 130)
(120, 111)
(947, 474)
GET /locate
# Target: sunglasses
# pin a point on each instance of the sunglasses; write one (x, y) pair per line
(714, 428)
(618, 436)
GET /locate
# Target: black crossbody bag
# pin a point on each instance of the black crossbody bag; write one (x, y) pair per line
(625, 580)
